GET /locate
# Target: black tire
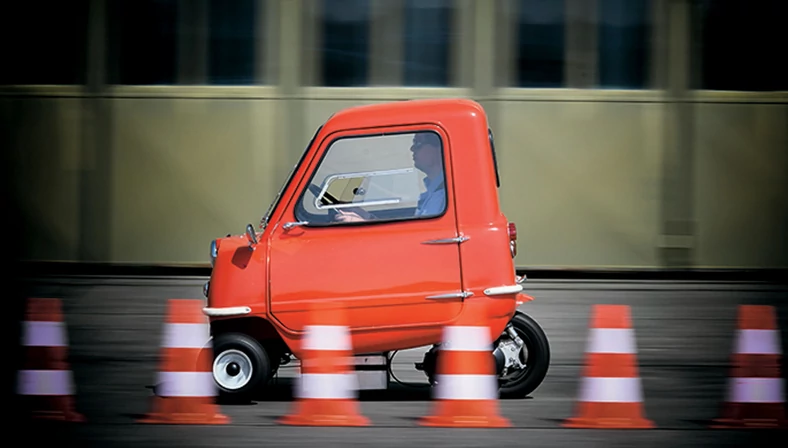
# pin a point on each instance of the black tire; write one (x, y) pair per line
(258, 361)
(537, 347)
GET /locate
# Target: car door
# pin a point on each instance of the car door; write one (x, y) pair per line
(393, 269)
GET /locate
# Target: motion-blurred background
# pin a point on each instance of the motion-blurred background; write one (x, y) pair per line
(630, 133)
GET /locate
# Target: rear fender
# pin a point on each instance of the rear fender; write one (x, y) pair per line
(522, 298)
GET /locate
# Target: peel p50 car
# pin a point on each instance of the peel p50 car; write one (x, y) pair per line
(393, 208)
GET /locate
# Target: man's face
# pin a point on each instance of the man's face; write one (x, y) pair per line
(426, 156)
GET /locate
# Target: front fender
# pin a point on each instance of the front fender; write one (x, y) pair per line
(237, 285)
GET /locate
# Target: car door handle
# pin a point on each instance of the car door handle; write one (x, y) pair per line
(455, 240)
(289, 225)
(452, 295)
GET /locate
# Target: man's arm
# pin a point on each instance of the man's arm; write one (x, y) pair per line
(434, 204)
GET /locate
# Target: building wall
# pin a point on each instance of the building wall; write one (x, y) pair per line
(606, 161)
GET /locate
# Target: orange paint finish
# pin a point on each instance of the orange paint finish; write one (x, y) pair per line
(44, 310)
(612, 316)
(326, 362)
(524, 298)
(383, 271)
(757, 317)
(239, 277)
(607, 365)
(184, 311)
(185, 360)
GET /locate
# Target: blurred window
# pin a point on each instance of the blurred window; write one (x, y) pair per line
(44, 44)
(540, 43)
(428, 25)
(378, 177)
(145, 41)
(624, 43)
(345, 42)
(742, 44)
(231, 44)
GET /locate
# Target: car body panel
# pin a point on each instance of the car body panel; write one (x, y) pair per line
(397, 287)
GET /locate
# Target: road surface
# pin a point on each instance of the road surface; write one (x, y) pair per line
(684, 334)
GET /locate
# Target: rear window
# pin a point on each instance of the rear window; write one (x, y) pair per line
(495, 161)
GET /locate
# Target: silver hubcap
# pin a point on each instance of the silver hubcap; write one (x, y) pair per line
(232, 369)
(514, 351)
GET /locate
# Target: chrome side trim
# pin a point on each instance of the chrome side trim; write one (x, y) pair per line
(452, 295)
(228, 311)
(500, 290)
(459, 239)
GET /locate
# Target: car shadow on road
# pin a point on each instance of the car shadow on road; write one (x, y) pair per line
(281, 390)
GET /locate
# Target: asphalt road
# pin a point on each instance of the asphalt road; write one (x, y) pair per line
(684, 337)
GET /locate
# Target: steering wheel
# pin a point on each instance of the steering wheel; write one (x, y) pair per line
(329, 199)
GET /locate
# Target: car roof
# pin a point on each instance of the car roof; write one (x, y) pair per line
(407, 111)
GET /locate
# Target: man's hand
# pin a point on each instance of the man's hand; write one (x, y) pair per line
(343, 216)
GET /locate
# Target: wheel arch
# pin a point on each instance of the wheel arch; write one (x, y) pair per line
(255, 327)
(543, 355)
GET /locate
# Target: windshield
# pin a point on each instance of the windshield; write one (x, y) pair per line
(267, 216)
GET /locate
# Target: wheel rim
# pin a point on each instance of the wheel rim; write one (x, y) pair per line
(232, 369)
(517, 375)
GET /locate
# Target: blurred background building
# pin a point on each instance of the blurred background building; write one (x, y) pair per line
(630, 133)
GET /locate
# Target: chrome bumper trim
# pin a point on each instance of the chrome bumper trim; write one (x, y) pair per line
(501, 290)
(229, 311)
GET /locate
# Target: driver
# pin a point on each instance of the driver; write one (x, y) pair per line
(426, 149)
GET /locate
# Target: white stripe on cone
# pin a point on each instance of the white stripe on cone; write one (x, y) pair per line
(186, 335)
(612, 340)
(45, 382)
(466, 339)
(45, 334)
(466, 387)
(758, 342)
(186, 384)
(611, 390)
(340, 386)
(326, 337)
(756, 390)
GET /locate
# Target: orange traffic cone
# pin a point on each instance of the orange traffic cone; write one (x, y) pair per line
(46, 382)
(755, 389)
(327, 388)
(466, 392)
(611, 394)
(186, 390)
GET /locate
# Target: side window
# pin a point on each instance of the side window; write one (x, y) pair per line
(377, 178)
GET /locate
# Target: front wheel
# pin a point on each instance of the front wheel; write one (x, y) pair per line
(240, 366)
(528, 362)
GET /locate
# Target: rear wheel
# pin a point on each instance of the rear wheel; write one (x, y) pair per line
(240, 367)
(528, 361)
(521, 364)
